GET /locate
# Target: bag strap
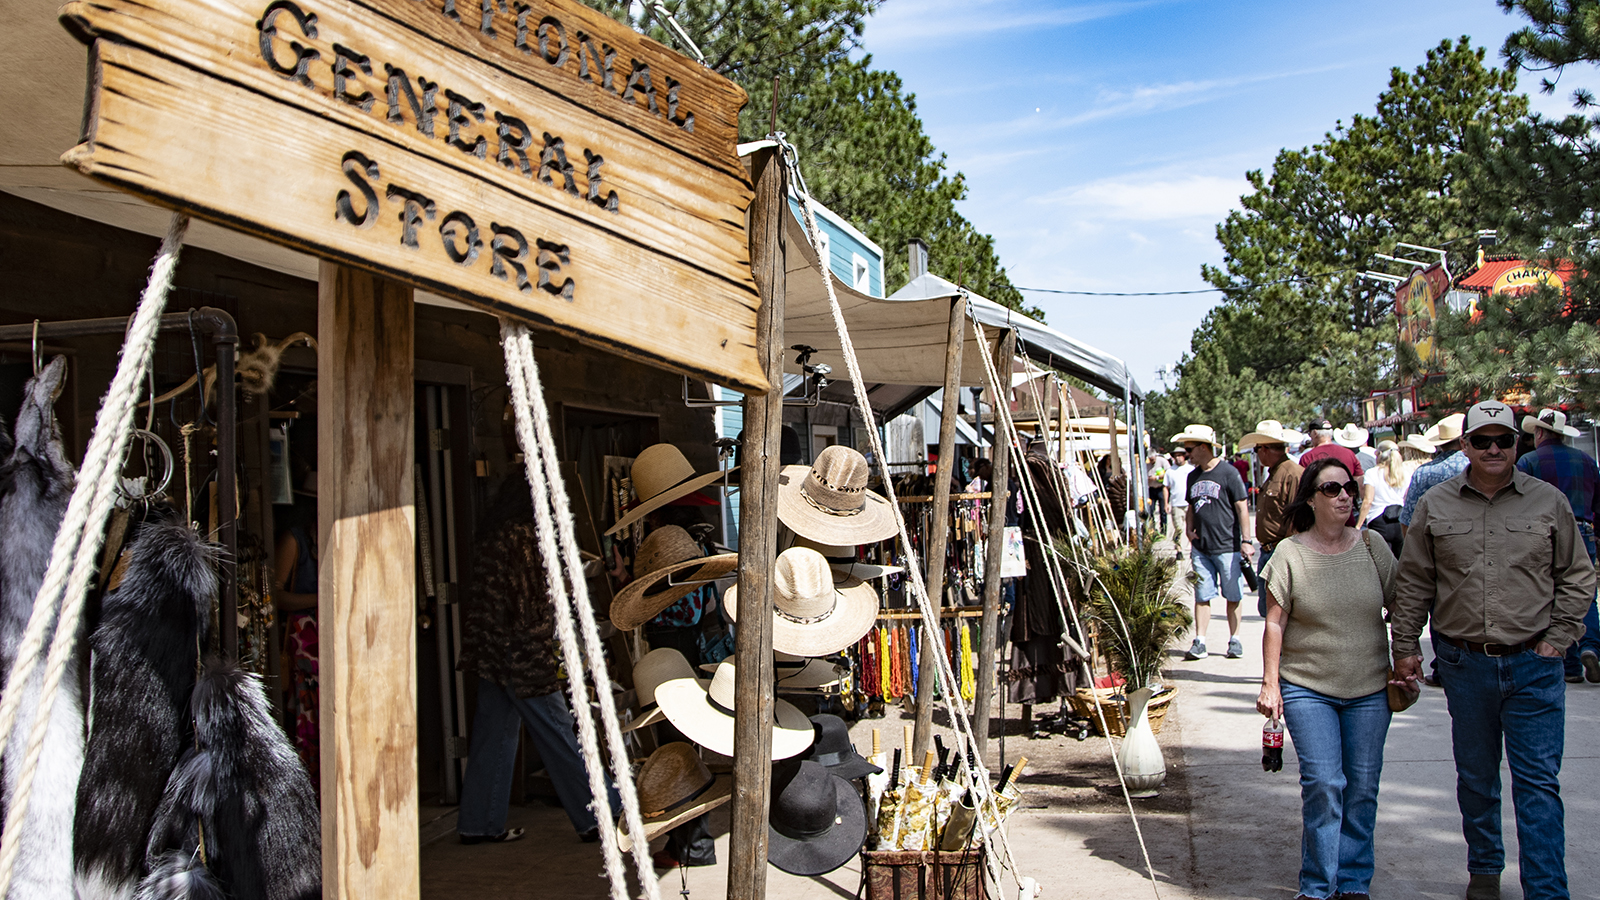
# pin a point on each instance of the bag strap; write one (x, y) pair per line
(1366, 537)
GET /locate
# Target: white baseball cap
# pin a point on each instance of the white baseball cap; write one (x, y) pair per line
(1489, 412)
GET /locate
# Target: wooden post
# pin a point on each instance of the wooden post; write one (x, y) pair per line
(758, 542)
(1061, 423)
(366, 586)
(939, 528)
(994, 552)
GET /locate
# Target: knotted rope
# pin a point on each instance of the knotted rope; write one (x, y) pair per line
(77, 544)
(558, 547)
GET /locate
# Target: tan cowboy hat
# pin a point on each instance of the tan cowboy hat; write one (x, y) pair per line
(1200, 434)
(654, 669)
(842, 558)
(799, 673)
(1550, 420)
(663, 553)
(1446, 430)
(660, 475)
(674, 787)
(829, 501)
(1418, 442)
(1268, 431)
(705, 715)
(1351, 436)
(816, 611)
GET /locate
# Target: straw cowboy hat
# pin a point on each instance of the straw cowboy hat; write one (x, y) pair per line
(1200, 434)
(674, 787)
(794, 674)
(1550, 420)
(842, 557)
(815, 610)
(817, 820)
(654, 669)
(663, 553)
(1351, 436)
(1446, 430)
(833, 750)
(1268, 431)
(660, 475)
(705, 715)
(829, 501)
(1418, 442)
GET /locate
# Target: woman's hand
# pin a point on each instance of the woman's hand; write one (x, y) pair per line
(1270, 702)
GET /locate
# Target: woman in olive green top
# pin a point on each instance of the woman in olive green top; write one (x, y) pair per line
(1325, 658)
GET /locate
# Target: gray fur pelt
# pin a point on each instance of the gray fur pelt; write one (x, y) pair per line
(141, 674)
(37, 481)
(244, 785)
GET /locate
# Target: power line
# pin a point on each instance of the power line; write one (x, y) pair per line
(1245, 289)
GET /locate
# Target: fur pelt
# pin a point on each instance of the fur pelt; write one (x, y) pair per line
(37, 481)
(142, 672)
(245, 786)
(179, 876)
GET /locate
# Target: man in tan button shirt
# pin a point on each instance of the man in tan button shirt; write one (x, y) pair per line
(1495, 555)
(1271, 445)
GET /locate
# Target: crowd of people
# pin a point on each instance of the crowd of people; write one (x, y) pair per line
(1359, 549)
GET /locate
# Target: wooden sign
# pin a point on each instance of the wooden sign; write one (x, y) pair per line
(532, 158)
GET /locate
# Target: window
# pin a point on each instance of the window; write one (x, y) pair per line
(826, 245)
(860, 274)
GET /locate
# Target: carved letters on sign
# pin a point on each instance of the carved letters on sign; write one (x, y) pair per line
(535, 158)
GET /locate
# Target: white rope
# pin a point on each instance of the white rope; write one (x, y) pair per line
(558, 547)
(944, 674)
(77, 542)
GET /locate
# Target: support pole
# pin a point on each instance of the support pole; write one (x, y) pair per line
(367, 586)
(758, 541)
(939, 528)
(994, 550)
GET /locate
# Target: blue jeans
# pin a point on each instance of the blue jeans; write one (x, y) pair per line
(1340, 747)
(486, 790)
(1522, 700)
(1215, 569)
(1591, 619)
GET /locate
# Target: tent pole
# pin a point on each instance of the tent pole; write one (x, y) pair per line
(758, 540)
(939, 529)
(994, 549)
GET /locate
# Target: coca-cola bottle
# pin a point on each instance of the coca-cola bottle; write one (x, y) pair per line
(1272, 746)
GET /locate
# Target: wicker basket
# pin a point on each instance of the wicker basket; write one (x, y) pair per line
(1115, 708)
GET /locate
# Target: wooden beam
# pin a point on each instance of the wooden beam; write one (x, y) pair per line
(994, 552)
(366, 586)
(939, 528)
(758, 543)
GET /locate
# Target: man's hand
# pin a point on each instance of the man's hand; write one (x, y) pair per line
(1543, 648)
(1249, 549)
(1407, 672)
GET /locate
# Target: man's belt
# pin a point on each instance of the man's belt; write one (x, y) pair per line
(1491, 649)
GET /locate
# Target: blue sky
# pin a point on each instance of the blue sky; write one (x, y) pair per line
(1103, 141)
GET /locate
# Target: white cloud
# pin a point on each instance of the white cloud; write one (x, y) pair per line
(930, 22)
(1148, 198)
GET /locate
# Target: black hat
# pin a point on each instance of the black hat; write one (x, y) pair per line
(833, 749)
(1319, 425)
(817, 821)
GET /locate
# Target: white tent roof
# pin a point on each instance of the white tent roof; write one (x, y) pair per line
(1039, 342)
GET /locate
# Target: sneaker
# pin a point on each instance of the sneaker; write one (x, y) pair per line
(1575, 677)
(1235, 648)
(1197, 650)
(1591, 666)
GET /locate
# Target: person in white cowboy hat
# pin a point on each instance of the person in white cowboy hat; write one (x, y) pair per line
(1322, 444)
(1448, 462)
(1270, 441)
(1494, 563)
(1177, 488)
(1353, 437)
(1215, 521)
(1574, 474)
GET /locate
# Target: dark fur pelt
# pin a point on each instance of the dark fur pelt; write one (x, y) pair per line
(142, 673)
(244, 785)
(179, 876)
(36, 481)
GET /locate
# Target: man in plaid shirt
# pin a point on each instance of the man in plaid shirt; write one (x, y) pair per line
(1575, 474)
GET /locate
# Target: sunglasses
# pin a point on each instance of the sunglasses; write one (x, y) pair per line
(1332, 488)
(1485, 441)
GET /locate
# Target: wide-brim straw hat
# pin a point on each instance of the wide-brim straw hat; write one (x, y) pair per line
(1418, 442)
(829, 501)
(663, 553)
(660, 475)
(817, 822)
(816, 611)
(705, 715)
(797, 673)
(1199, 434)
(1446, 429)
(674, 787)
(842, 557)
(1268, 431)
(654, 669)
(1352, 436)
(1550, 420)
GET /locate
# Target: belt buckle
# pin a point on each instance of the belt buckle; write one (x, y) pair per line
(1490, 653)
